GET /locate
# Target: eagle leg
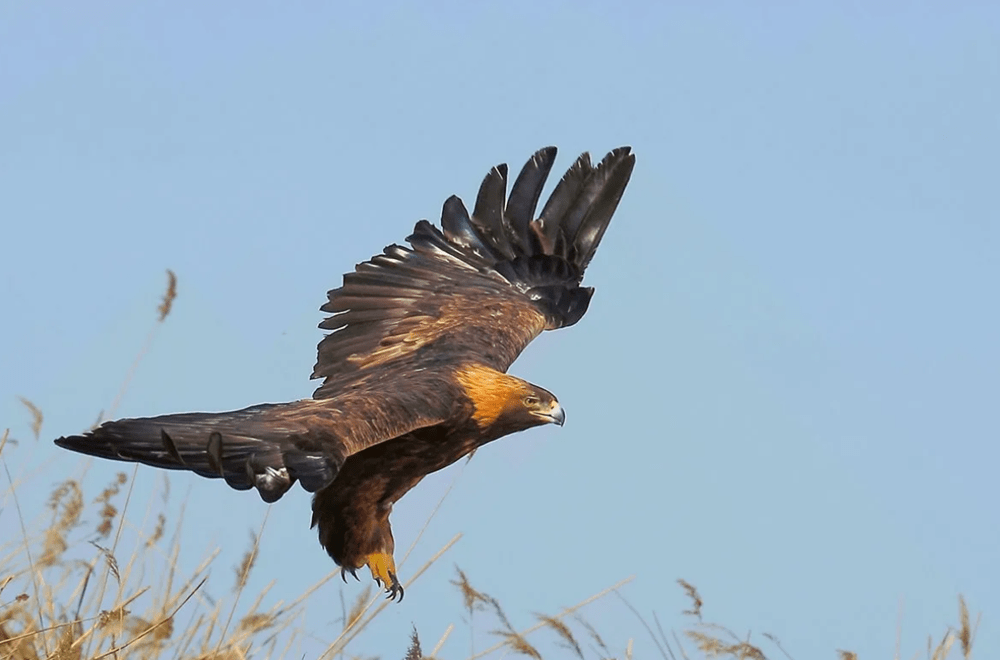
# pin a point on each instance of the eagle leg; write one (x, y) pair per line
(353, 571)
(383, 568)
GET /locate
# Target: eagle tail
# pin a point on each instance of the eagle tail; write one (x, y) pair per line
(249, 448)
(544, 257)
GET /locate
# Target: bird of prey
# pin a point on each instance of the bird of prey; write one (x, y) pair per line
(414, 370)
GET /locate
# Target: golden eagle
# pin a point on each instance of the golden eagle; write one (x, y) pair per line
(414, 370)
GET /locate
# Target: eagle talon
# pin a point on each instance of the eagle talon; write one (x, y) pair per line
(394, 589)
(383, 569)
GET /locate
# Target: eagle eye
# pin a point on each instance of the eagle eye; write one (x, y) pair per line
(531, 400)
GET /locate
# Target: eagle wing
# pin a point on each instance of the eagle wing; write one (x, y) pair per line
(482, 286)
(271, 446)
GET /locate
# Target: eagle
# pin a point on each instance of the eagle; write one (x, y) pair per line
(415, 368)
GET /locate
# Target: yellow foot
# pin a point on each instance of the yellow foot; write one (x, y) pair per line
(383, 569)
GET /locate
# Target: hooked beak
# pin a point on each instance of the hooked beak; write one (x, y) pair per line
(557, 415)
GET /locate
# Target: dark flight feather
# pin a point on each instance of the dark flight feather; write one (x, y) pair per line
(523, 198)
(489, 210)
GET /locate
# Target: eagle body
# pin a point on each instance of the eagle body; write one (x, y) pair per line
(414, 369)
(353, 514)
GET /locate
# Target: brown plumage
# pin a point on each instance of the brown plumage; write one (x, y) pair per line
(414, 370)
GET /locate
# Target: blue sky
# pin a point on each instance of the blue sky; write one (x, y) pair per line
(785, 390)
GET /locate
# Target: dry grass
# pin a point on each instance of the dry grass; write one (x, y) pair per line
(64, 606)
(713, 640)
(36, 417)
(66, 596)
(168, 297)
(513, 640)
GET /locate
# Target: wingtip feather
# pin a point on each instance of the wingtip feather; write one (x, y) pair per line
(524, 195)
(610, 179)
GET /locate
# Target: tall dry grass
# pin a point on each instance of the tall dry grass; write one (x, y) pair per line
(69, 592)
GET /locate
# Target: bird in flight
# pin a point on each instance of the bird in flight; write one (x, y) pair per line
(414, 370)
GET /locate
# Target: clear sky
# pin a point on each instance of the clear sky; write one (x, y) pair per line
(786, 390)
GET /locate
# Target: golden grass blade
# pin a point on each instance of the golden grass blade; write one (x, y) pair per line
(168, 297)
(97, 620)
(358, 608)
(471, 597)
(109, 511)
(36, 632)
(696, 601)
(102, 589)
(239, 591)
(444, 638)
(247, 563)
(153, 627)
(561, 615)
(777, 643)
(164, 310)
(36, 417)
(667, 654)
(27, 549)
(563, 631)
(517, 643)
(964, 631)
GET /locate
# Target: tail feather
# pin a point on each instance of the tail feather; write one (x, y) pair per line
(259, 447)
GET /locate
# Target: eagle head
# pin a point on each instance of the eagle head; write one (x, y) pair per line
(542, 405)
(503, 404)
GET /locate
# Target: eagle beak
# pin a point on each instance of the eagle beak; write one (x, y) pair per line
(557, 415)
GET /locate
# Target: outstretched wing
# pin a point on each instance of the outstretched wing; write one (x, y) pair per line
(484, 285)
(269, 447)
